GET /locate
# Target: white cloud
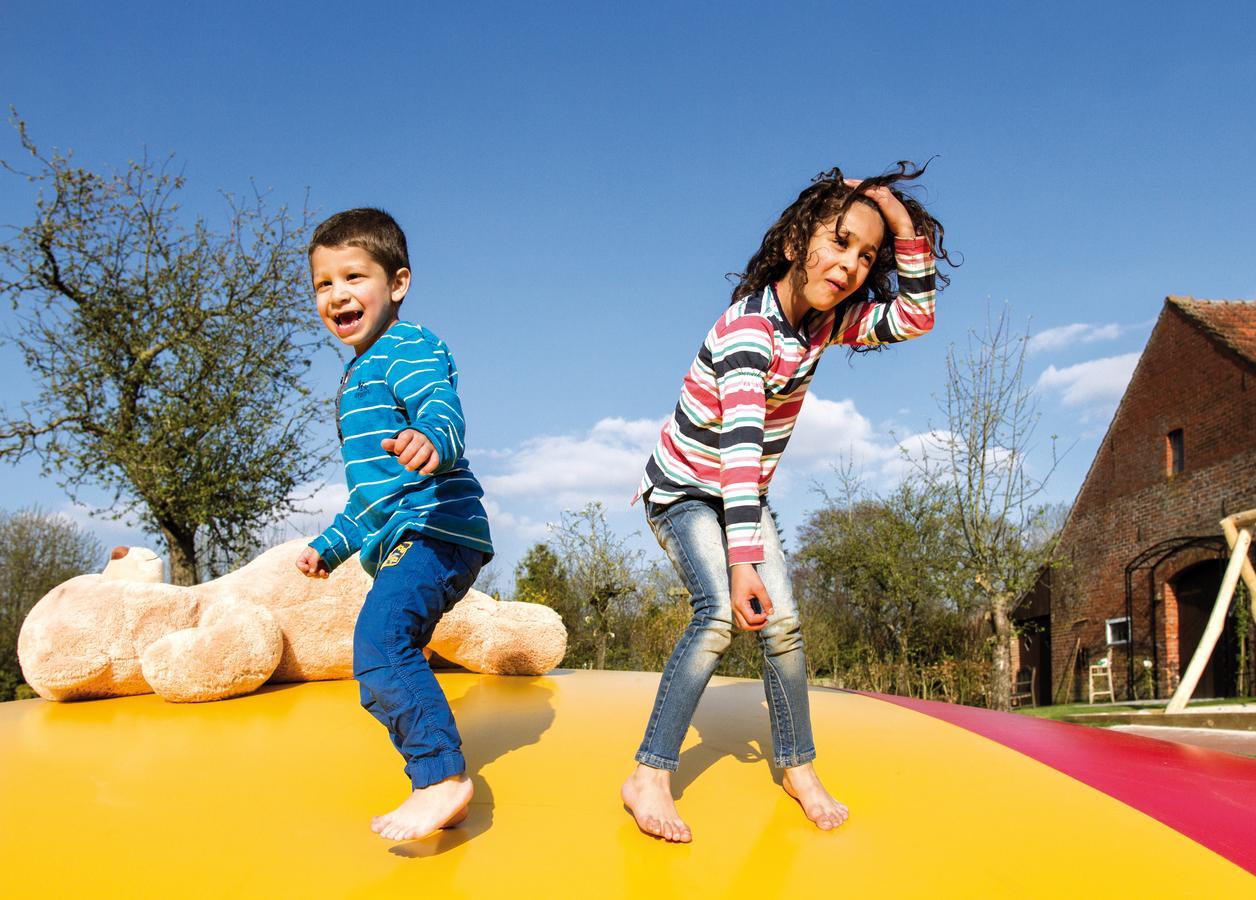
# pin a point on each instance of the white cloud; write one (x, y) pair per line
(318, 504)
(834, 432)
(1094, 387)
(1072, 335)
(110, 532)
(523, 528)
(923, 449)
(527, 487)
(568, 471)
(81, 515)
(829, 431)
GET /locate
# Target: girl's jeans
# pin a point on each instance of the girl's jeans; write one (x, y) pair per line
(692, 534)
(421, 579)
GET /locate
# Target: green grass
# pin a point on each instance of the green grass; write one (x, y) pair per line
(1074, 709)
(1080, 709)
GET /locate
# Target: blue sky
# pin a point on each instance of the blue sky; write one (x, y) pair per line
(575, 180)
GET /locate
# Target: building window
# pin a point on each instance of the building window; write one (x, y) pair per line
(1118, 631)
(1175, 460)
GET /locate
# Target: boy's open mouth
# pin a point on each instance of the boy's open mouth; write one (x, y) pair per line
(347, 320)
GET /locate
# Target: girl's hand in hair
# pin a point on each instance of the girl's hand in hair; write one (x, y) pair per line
(892, 210)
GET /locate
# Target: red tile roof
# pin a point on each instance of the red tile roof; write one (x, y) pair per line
(1230, 323)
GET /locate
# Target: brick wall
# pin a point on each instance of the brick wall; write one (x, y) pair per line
(1129, 502)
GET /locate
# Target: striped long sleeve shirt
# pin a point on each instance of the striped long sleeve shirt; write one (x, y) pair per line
(743, 393)
(406, 380)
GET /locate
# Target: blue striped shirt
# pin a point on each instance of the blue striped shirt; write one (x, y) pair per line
(406, 380)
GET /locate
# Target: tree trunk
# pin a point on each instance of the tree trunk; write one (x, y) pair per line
(600, 662)
(1001, 674)
(904, 669)
(181, 549)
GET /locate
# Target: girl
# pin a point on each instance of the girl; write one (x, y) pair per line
(823, 275)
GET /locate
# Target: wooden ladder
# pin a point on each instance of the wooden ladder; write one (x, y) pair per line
(1100, 675)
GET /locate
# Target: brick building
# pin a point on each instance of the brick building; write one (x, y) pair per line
(1143, 554)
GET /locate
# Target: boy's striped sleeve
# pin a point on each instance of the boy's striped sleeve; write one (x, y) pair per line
(339, 541)
(741, 352)
(424, 380)
(911, 313)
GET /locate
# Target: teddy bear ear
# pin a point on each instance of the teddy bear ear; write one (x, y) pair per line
(134, 564)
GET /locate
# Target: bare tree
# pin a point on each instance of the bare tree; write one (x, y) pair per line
(991, 416)
(600, 572)
(489, 581)
(169, 355)
(38, 551)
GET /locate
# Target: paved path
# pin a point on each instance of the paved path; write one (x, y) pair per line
(1241, 742)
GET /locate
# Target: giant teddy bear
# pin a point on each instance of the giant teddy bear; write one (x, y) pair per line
(124, 631)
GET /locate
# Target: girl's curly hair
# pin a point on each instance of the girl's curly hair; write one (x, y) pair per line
(827, 199)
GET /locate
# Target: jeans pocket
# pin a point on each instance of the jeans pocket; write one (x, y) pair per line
(655, 514)
(461, 567)
(661, 525)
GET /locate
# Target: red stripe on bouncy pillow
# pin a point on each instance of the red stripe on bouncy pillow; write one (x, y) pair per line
(1208, 796)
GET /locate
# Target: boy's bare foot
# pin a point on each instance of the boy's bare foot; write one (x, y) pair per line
(803, 784)
(648, 795)
(441, 805)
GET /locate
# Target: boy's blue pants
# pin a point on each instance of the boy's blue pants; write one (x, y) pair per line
(420, 580)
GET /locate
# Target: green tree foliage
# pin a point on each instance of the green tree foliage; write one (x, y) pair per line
(38, 551)
(891, 560)
(653, 625)
(601, 575)
(620, 612)
(539, 578)
(170, 355)
(1241, 617)
(874, 580)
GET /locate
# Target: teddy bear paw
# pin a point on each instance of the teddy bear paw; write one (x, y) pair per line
(233, 650)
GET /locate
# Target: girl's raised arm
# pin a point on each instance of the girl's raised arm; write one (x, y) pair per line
(911, 313)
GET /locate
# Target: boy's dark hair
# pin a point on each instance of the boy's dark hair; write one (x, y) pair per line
(826, 197)
(374, 230)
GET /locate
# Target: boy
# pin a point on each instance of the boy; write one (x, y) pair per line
(414, 513)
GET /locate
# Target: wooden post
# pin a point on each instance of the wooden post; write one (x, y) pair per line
(1230, 528)
(1066, 686)
(1238, 534)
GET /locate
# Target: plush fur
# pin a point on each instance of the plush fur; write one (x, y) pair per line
(124, 631)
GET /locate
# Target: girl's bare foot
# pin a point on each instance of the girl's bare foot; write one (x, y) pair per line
(441, 805)
(648, 795)
(803, 784)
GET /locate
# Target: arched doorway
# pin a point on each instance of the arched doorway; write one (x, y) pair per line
(1196, 591)
(1146, 564)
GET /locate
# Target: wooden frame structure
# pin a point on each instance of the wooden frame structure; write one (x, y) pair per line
(1238, 534)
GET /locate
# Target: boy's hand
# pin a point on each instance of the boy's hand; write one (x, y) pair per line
(892, 210)
(413, 450)
(312, 564)
(745, 583)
